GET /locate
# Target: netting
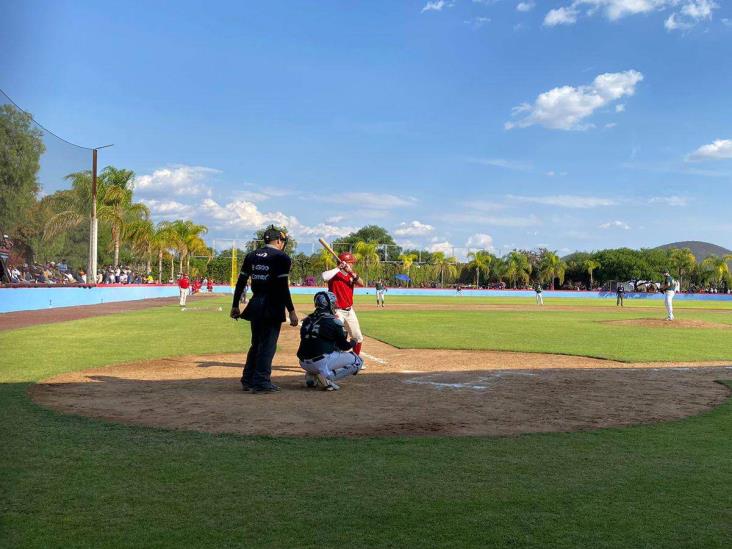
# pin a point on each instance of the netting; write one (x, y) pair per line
(45, 200)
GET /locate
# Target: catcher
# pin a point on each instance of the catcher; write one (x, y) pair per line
(325, 353)
(341, 281)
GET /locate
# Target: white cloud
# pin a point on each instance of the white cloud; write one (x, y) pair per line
(437, 5)
(477, 22)
(672, 200)
(567, 201)
(482, 241)
(610, 125)
(443, 246)
(178, 180)
(687, 12)
(244, 215)
(561, 16)
(516, 165)
(615, 225)
(566, 107)
(718, 150)
(414, 228)
(335, 219)
(483, 205)
(376, 201)
(168, 209)
(620, 107)
(525, 6)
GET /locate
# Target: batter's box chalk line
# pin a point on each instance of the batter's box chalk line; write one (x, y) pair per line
(374, 358)
(481, 383)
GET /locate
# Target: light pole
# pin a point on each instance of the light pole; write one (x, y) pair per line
(91, 273)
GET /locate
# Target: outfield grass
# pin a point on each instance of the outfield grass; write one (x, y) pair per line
(73, 482)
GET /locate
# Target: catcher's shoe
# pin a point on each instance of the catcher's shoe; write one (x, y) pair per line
(310, 380)
(325, 384)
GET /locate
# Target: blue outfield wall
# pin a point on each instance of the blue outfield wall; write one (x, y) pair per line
(36, 298)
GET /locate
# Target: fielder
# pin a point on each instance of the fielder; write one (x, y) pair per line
(380, 292)
(341, 281)
(184, 287)
(539, 297)
(325, 353)
(669, 288)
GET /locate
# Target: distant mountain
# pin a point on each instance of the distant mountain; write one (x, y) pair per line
(701, 250)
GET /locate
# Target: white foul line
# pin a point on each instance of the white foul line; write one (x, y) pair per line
(375, 359)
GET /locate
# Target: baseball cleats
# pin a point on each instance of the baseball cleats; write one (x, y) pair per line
(325, 384)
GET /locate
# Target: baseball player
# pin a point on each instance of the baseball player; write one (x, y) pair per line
(341, 281)
(620, 296)
(325, 353)
(539, 297)
(184, 288)
(380, 291)
(668, 287)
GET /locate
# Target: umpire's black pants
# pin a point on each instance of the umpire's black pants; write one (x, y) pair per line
(258, 368)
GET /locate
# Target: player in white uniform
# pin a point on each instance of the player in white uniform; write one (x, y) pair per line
(669, 287)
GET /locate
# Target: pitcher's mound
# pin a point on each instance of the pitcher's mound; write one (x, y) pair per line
(402, 392)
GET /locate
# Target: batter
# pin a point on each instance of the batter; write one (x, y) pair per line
(341, 281)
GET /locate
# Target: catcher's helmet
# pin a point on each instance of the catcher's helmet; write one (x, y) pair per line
(347, 257)
(325, 302)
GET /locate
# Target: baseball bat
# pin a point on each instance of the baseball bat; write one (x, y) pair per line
(325, 245)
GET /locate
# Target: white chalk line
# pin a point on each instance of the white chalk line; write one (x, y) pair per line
(482, 383)
(374, 358)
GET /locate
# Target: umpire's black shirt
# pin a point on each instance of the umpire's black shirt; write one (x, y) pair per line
(268, 268)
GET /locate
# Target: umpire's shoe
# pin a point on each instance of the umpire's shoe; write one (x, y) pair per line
(271, 388)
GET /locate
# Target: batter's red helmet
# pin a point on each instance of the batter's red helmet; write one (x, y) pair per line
(347, 257)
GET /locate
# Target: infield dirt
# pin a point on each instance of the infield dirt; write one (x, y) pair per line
(402, 392)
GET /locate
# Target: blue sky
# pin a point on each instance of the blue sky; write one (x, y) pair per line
(572, 124)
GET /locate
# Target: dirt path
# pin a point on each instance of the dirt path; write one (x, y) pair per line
(21, 319)
(402, 392)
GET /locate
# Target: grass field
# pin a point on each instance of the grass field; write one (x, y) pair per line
(74, 482)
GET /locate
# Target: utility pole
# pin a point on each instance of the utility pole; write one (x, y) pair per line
(91, 274)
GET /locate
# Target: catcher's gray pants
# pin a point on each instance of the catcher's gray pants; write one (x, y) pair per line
(334, 366)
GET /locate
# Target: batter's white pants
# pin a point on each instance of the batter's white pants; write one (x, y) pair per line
(539, 299)
(668, 300)
(350, 321)
(183, 296)
(334, 366)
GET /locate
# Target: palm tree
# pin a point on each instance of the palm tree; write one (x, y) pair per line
(140, 234)
(188, 239)
(368, 254)
(444, 265)
(683, 262)
(552, 267)
(590, 265)
(407, 262)
(480, 261)
(326, 259)
(717, 268)
(518, 268)
(116, 206)
(76, 205)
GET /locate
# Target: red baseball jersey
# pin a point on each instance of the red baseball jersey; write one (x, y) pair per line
(183, 283)
(342, 286)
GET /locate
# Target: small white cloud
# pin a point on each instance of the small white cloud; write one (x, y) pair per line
(561, 16)
(669, 200)
(615, 225)
(335, 219)
(620, 107)
(718, 150)
(477, 22)
(437, 5)
(178, 180)
(566, 107)
(525, 6)
(443, 246)
(375, 201)
(610, 125)
(414, 228)
(481, 241)
(516, 165)
(567, 201)
(168, 209)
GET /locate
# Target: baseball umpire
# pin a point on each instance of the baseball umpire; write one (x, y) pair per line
(269, 268)
(325, 352)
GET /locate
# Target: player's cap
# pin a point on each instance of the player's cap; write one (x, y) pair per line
(272, 233)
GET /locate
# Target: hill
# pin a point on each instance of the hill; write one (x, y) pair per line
(701, 250)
